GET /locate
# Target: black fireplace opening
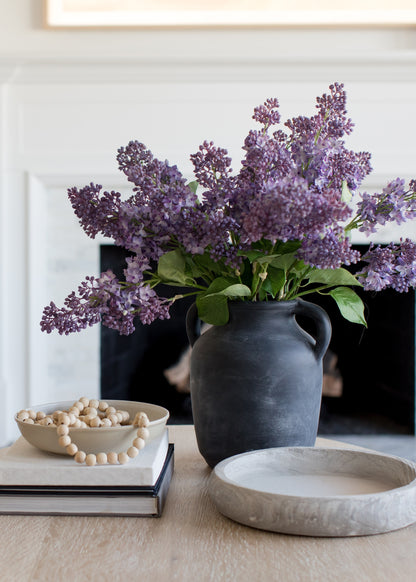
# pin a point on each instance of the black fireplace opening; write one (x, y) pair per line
(374, 367)
(133, 367)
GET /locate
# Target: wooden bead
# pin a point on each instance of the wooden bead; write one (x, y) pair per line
(112, 458)
(102, 405)
(56, 414)
(77, 423)
(28, 421)
(106, 422)
(126, 416)
(74, 410)
(114, 419)
(85, 401)
(62, 430)
(79, 405)
(95, 421)
(143, 433)
(32, 414)
(72, 449)
(120, 416)
(72, 419)
(80, 457)
(64, 441)
(90, 411)
(110, 410)
(139, 443)
(141, 419)
(102, 458)
(63, 418)
(132, 452)
(22, 415)
(123, 458)
(40, 415)
(93, 403)
(90, 460)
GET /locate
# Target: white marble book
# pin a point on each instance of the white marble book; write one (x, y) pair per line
(21, 464)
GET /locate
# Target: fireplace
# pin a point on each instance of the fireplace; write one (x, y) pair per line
(376, 365)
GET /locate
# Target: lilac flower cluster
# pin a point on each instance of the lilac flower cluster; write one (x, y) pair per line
(295, 185)
(330, 251)
(105, 300)
(393, 204)
(390, 266)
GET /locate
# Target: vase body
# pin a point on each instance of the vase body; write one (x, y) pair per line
(256, 382)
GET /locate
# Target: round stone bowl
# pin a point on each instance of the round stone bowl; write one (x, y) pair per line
(316, 491)
(94, 440)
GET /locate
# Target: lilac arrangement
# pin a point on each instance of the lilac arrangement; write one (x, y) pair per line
(276, 230)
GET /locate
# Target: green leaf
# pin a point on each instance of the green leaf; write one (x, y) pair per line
(227, 286)
(288, 247)
(237, 290)
(349, 304)
(171, 268)
(205, 263)
(252, 255)
(213, 309)
(283, 261)
(346, 194)
(212, 305)
(192, 269)
(276, 279)
(333, 277)
(219, 284)
(193, 186)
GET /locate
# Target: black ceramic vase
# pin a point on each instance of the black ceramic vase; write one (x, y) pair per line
(256, 382)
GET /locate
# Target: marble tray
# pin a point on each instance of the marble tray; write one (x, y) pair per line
(316, 491)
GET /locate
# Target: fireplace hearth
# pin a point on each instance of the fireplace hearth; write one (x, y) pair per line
(377, 365)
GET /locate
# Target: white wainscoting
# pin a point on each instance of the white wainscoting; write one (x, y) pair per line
(61, 124)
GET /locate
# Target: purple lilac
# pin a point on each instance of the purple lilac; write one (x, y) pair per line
(212, 169)
(289, 188)
(394, 204)
(391, 266)
(329, 251)
(205, 228)
(290, 209)
(97, 212)
(108, 301)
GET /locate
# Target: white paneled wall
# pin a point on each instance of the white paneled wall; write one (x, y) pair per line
(64, 112)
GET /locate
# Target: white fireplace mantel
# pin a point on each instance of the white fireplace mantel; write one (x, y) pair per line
(61, 122)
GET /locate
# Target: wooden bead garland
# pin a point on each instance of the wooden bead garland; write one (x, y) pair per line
(91, 413)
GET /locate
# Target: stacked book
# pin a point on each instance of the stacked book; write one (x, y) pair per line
(36, 482)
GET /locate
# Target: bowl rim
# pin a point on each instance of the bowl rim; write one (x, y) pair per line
(60, 404)
(220, 471)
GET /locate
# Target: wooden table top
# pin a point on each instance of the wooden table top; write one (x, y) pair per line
(193, 542)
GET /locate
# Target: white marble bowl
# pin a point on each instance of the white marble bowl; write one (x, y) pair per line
(316, 491)
(94, 440)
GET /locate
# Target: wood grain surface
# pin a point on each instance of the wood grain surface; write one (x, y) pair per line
(193, 542)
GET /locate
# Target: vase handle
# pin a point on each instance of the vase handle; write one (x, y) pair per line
(323, 325)
(193, 324)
